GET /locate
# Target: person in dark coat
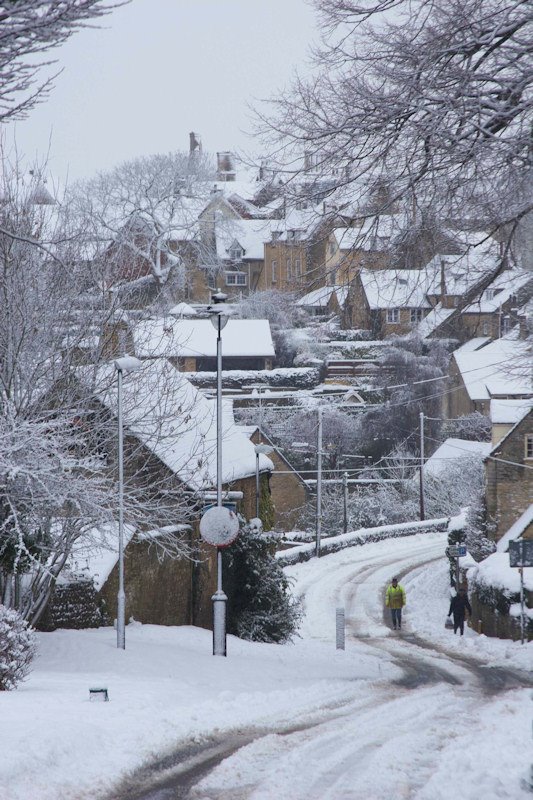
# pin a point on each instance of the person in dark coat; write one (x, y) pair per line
(458, 607)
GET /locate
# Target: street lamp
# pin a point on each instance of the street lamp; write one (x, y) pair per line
(264, 449)
(219, 315)
(122, 365)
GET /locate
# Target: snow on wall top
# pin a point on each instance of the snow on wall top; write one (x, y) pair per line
(501, 368)
(197, 337)
(453, 449)
(178, 424)
(495, 571)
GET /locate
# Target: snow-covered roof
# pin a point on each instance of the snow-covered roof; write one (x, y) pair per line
(250, 234)
(462, 272)
(391, 288)
(319, 298)
(473, 344)
(431, 321)
(509, 412)
(516, 530)
(375, 233)
(451, 450)
(170, 337)
(500, 290)
(502, 368)
(178, 424)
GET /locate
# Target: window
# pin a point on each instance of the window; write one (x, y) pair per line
(236, 253)
(528, 445)
(486, 328)
(235, 279)
(297, 267)
(289, 269)
(393, 315)
(505, 325)
(416, 314)
(211, 282)
(274, 267)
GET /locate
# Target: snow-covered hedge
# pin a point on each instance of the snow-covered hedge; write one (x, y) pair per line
(17, 648)
(292, 377)
(304, 552)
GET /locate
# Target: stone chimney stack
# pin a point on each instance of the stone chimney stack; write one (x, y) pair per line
(195, 144)
(226, 166)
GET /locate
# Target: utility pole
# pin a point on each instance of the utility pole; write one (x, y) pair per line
(319, 482)
(422, 515)
(345, 501)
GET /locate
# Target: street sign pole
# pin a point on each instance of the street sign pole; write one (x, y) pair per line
(521, 555)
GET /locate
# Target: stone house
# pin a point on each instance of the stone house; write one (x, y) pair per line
(170, 438)
(509, 477)
(289, 490)
(497, 371)
(388, 301)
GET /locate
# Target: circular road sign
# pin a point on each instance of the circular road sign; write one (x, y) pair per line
(219, 526)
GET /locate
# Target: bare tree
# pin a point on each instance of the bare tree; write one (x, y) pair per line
(141, 218)
(58, 440)
(430, 100)
(28, 30)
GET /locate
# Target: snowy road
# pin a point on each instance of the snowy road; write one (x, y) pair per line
(439, 721)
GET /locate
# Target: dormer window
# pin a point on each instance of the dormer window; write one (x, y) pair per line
(236, 252)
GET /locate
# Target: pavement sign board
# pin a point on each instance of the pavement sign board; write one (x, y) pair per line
(456, 551)
(521, 553)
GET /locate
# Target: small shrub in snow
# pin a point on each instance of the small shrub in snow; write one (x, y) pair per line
(17, 648)
(261, 607)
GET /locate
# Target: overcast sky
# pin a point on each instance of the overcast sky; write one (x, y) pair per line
(157, 69)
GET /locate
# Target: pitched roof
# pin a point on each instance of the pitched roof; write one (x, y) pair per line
(177, 423)
(319, 298)
(501, 368)
(178, 338)
(391, 288)
(453, 449)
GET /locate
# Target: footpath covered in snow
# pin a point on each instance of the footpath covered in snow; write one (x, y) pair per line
(321, 719)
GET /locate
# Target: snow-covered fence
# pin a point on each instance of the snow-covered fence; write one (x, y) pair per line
(303, 552)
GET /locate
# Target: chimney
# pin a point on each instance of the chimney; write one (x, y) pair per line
(442, 280)
(225, 166)
(195, 143)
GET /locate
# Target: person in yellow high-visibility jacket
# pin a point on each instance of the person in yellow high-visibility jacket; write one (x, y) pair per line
(395, 600)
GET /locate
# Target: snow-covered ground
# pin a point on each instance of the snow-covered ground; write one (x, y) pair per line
(384, 718)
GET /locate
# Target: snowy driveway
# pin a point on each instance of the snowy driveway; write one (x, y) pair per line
(446, 716)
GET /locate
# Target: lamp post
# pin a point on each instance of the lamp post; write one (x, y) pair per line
(122, 365)
(264, 449)
(219, 316)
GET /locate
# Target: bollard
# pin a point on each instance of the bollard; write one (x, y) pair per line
(479, 626)
(339, 621)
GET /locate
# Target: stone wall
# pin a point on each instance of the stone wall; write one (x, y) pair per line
(509, 486)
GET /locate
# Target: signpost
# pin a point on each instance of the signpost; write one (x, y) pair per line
(456, 551)
(521, 555)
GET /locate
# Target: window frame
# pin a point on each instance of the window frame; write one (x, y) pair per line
(274, 271)
(393, 316)
(236, 281)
